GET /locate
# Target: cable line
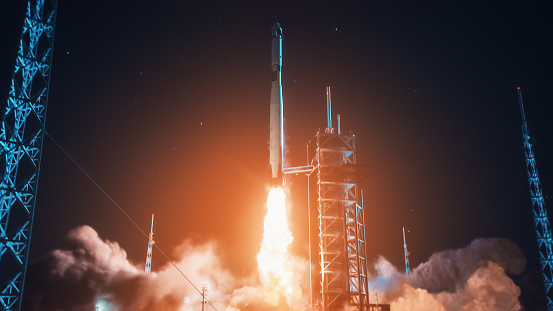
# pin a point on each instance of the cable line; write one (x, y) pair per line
(127, 215)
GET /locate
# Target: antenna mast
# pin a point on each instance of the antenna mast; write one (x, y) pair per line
(406, 254)
(151, 242)
(541, 221)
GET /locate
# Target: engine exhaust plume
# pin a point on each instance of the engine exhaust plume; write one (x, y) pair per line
(275, 265)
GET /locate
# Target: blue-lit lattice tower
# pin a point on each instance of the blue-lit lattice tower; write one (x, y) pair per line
(406, 254)
(541, 221)
(21, 137)
(341, 224)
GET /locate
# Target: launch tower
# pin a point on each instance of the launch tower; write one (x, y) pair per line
(21, 138)
(341, 223)
(541, 221)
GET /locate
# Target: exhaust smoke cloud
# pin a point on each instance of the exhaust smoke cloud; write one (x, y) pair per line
(473, 278)
(88, 270)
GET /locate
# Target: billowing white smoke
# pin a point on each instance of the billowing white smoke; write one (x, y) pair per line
(471, 278)
(90, 269)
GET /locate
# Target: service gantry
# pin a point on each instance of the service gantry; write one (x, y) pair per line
(539, 213)
(21, 139)
(341, 221)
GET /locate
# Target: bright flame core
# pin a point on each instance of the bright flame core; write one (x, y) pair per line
(273, 261)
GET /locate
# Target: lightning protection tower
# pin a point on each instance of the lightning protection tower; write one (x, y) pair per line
(151, 242)
(21, 138)
(341, 222)
(539, 213)
(406, 254)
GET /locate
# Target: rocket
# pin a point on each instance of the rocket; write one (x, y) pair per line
(276, 131)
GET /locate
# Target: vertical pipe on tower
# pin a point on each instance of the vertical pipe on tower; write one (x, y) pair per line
(328, 111)
(309, 234)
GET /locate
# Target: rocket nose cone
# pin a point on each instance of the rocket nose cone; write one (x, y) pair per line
(276, 31)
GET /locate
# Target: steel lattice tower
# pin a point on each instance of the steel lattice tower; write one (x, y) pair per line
(148, 267)
(21, 139)
(406, 254)
(341, 224)
(539, 213)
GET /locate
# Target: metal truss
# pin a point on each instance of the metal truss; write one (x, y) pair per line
(539, 213)
(341, 225)
(21, 138)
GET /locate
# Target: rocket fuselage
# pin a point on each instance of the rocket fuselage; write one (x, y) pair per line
(276, 136)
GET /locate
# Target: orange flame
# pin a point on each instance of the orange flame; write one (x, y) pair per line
(273, 261)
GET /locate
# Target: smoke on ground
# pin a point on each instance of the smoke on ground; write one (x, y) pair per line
(89, 270)
(472, 278)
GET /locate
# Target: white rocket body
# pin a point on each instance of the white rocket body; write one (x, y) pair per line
(276, 137)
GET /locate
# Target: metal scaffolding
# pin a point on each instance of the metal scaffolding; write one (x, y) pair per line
(21, 137)
(341, 224)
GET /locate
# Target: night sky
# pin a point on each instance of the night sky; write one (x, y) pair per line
(166, 105)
